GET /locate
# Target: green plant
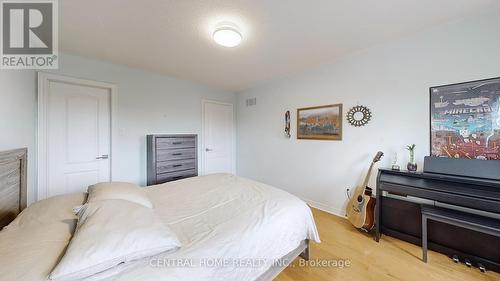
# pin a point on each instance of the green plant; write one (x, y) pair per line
(411, 149)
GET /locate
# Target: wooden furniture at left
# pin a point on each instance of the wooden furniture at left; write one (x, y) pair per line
(13, 184)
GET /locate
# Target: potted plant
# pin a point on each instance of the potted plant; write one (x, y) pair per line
(412, 165)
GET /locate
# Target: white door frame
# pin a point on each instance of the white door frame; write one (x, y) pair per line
(233, 141)
(43, 91)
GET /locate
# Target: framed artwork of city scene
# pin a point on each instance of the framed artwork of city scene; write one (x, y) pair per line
(320, 122)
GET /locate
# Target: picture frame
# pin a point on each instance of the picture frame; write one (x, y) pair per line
(320, 122)
(465, 120)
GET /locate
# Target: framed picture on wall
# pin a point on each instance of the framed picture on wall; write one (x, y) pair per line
(320, 122)
(465, 120)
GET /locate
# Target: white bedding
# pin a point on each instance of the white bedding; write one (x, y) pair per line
(231, 228)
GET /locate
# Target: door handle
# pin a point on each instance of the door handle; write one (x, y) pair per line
(208, 149)
(105, 156)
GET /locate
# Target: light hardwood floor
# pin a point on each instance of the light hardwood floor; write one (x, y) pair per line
(391, 259)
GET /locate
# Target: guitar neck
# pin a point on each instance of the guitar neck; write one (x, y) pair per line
(367, 178)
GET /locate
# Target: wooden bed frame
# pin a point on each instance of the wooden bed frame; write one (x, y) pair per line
(13, 184)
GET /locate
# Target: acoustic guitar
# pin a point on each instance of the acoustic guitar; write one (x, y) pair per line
(361, 206)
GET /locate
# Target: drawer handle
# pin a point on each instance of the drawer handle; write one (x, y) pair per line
(177, 142)
(176, 154)
(177, 177)
(177, 165)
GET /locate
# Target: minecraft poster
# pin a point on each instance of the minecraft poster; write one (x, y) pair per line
(465, 120)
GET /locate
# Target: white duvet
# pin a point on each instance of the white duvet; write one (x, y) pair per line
(231, 228)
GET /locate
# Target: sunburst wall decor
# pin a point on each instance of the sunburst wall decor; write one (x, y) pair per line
(359, 116)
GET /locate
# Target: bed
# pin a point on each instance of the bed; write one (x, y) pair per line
(239, 228)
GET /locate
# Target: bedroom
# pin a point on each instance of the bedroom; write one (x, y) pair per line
(158, 70)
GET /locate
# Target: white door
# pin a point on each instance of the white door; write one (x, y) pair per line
(78, 133)
(218, 138)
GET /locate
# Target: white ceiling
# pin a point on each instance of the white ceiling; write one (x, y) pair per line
(173, 37)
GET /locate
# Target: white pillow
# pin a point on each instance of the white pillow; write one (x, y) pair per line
(112, 232)
(118, 190)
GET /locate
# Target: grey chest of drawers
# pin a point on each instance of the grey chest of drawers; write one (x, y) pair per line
(171, 157)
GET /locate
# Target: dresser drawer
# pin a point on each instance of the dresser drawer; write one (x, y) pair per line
(173, 143)
(175, 154)
(171, 157)
(176, 165)
(166, 177)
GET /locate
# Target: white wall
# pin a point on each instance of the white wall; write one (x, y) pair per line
(393, 80)
(17, 116)
(147, 103)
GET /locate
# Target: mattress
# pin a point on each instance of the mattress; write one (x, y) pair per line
(231, 228)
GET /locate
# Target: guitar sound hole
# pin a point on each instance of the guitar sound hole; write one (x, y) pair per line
(360, 198)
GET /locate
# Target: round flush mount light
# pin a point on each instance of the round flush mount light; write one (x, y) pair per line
(227, 34)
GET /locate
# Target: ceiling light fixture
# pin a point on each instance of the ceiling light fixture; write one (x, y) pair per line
(227, 34)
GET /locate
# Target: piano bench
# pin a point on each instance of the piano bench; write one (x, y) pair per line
(465, 220)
